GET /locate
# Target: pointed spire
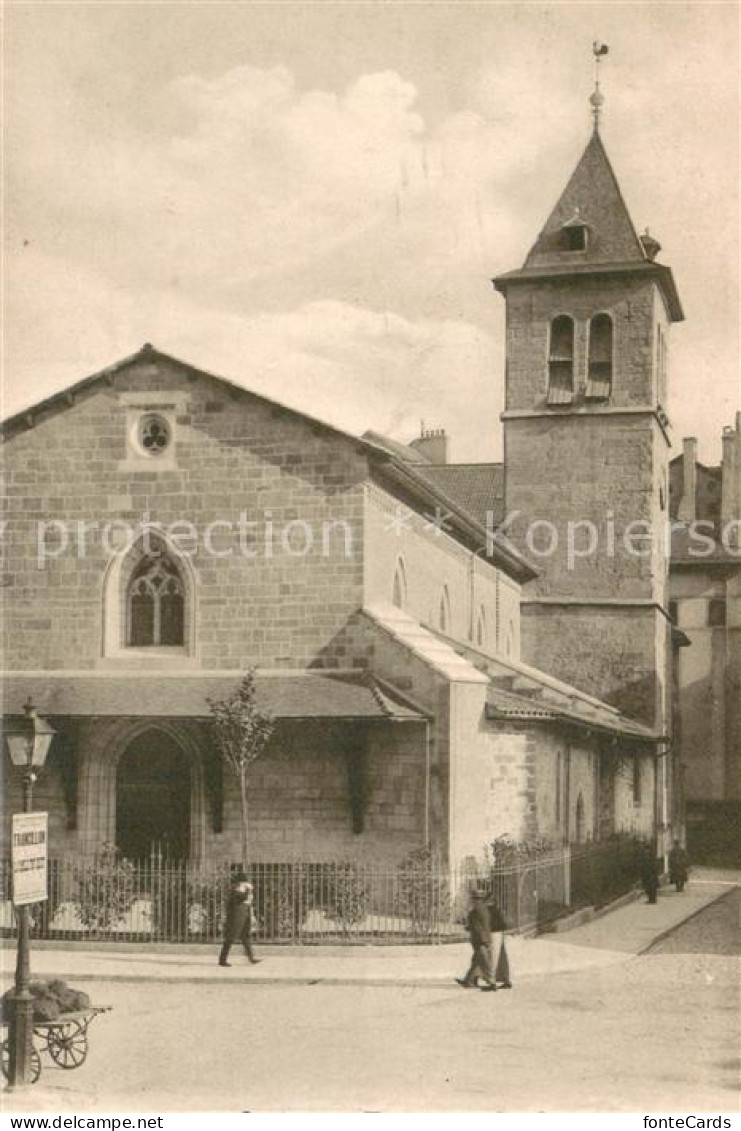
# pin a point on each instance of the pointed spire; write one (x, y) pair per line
(596, 99)
(592, 199)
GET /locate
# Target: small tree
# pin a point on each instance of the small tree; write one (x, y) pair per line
(241, 733)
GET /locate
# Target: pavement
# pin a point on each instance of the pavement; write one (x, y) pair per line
(627, 930)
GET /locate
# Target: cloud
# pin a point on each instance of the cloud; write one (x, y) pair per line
(353, 367)
(256, 180)
(338, 238)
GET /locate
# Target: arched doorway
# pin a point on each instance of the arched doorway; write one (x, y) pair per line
(153, 798)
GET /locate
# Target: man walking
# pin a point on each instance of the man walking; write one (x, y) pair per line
(649, 872)
(479, 931)
(678, 866)
(239, 919)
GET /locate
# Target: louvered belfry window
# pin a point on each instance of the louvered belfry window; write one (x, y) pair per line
(561, 361)
(599, 374)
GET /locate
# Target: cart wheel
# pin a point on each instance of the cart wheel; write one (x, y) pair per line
(67, 1045)
(5, 1062)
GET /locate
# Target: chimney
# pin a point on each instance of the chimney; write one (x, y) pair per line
(688, 504)
(432, 443)
(730, 488)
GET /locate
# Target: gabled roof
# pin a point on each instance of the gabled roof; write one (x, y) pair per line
(593, 195)
(390, 461)
(65, 398)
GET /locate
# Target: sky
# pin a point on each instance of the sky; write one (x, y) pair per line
(311, 199)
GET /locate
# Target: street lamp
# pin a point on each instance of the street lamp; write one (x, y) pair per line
(28, 740)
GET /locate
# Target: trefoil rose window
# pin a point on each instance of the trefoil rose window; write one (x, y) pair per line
(153, 434)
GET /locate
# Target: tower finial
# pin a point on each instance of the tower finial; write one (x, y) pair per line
(596, 99)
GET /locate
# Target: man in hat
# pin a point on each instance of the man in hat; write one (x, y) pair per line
(239, 919)
(479, 931)
(649, 872)
(678, 866)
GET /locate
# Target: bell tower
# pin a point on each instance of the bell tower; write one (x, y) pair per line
(586, 441)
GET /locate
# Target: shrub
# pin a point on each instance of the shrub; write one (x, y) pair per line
(206, 902)
(347, 897)
(506, 850)
(105, 889)
(423, 892)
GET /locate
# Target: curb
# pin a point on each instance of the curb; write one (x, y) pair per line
(435, 982)
(589, 914)
(670, 930)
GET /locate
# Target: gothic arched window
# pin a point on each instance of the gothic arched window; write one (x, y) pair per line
(155, 605)
(599, 374)
(399, 595)
(561, 361)
(444, 611)
(481, 628)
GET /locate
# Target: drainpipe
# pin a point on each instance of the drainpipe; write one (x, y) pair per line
(471, 584)
(428, 759)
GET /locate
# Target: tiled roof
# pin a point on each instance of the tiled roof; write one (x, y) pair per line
(518, 691)
(477, 488)
(513, 690)
(502, 704)
(286, 695)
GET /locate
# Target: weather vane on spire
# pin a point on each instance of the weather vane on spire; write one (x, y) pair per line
(596, 98)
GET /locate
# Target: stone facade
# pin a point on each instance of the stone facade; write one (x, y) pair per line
(483, 602)
(278, 607)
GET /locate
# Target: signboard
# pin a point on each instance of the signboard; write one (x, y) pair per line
(28, 856)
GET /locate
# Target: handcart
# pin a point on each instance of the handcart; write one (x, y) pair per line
(64, 1039)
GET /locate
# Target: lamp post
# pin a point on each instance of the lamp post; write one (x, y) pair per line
(28, 742)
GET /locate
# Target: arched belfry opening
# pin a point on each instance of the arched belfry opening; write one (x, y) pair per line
(153, 798)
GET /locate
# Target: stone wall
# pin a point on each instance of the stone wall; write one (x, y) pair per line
(610, 653)
(595, 469)
(300, 801)
(430, 560)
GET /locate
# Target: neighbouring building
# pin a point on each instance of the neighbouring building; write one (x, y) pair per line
(705, 602)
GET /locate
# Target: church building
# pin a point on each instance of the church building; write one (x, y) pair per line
(439, 673)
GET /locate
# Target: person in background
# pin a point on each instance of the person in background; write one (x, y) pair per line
(678, 866)
(240, 919)
(649, 872)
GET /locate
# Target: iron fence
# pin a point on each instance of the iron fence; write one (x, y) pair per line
(312, 902)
